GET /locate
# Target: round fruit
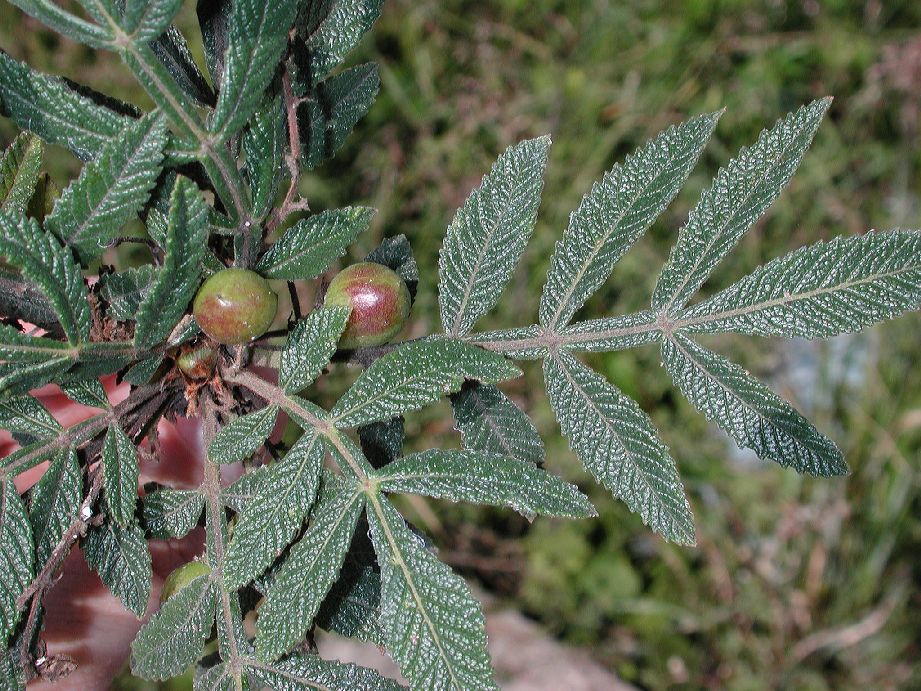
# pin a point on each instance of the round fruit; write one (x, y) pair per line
(197, 363)
(379, 300)
(181, 577)
(235, 306)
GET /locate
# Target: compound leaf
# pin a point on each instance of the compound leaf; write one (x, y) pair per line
(485, 240)
(310, 569)
(54, 502)
(120, 556)
(615, 213)
(120, 475)
(308, 247)
(186, 242)
(111, 189)
(822, 290)
(55, 111)
(258, 35)
(432, 625)
(741, 192)
(310, 346)
(242, 437)
(174, 637)
(618, 444)
(335, 106)
(747, 410)
(17, 558)
(485, 478)
(20, 165)
(271, 518)
(51, 266)
(489, 421)
(415, 375)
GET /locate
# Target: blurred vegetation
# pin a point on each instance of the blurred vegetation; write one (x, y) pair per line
(796, 583)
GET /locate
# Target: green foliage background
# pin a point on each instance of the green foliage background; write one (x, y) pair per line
(797, 582)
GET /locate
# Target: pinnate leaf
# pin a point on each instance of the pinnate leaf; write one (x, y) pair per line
(242, 437)
(488, 235)
(175, 284)
(618, 444)
(271, 518)
(416, 375)
(489, 421)
(308, 247)
(111, 189)
(822, 290)
(615, 213)
(120, 556)
(57, 113)
(20, 165)
(741, 192)
(16, 556)
(747, 410)
(310, 569)
(433, 627)
(258, 35)
(174, 637)
(51, 266)
(334, 107)
(310, 345)
(485, 478)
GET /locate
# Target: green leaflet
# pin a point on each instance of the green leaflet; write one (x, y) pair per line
(258, 35)
(172, 512)
(124, 291)
(308, 247)
(111, 189)
(335, 106)
(747, 410)
(16, 556)
(120, 556)
(174, 637)
(51, 267)
(65, 23)
(741, 192)
(489, 421)
(310, 570)
(89, 392)
(618, 444)
(271, 518)
(18, 378)
(488, 235)
(264, 144)
(395, 253)
(144, 20)
(177, 280)
(382, 441)
(331, 30)
(301, 671)
(243, 437)
(20, 165)
(819, 291)
(615, 213)
(310, 346)
(54, 502)
(172, 51)
(54, 111)
(352, 607)
(24, 415)
(432, 626)
(415, 375)
(485, 478)
(120, 475)
(214, 20)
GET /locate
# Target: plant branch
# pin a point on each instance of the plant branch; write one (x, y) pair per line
(292, 158)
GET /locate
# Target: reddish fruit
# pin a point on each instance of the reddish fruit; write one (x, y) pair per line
(379, 300)
(197, 363)
(181, 577)
(235, 306)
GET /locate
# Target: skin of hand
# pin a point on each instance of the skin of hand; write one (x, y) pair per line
(83, 619)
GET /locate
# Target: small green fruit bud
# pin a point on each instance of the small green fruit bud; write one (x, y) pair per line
(379, 300)
(235, 306)
(197, 363)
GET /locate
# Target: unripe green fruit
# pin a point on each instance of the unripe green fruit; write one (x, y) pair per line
(235, 306)
(181, 577)
(197, 363)
(379, 300)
